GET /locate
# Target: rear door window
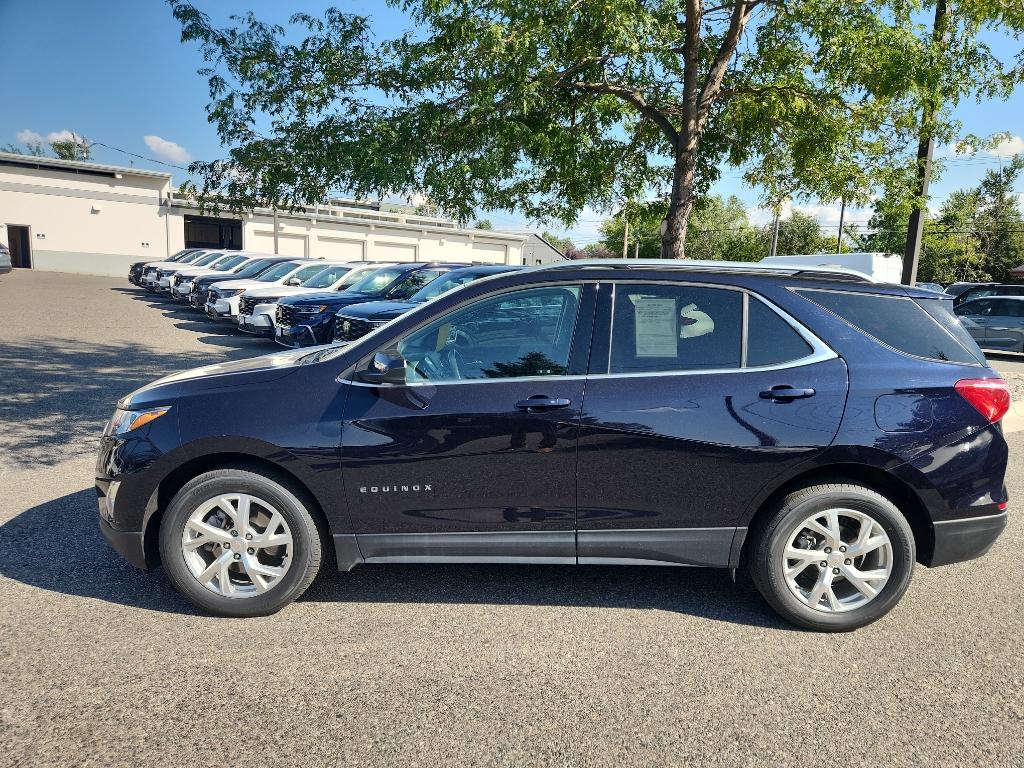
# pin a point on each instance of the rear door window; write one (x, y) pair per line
(897, 321)
(770, 339)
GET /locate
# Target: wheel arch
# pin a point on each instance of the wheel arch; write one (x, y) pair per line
(183, 473)
(877, 479)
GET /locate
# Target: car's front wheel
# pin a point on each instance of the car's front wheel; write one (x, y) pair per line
(832, 557)
(237, 543)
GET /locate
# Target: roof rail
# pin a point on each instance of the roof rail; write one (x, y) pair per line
(730, 267)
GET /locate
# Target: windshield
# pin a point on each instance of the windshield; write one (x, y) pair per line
(276, 273)
(208, 259)
(181, 255)
(304, 274)
(413, 283)
(444, 284)
(230, 263)
(192, 258)
(254, 268)
(325, 278)
(376, 281)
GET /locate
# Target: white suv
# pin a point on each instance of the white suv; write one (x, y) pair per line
(233, 261)
(258, 306)
(222, 301)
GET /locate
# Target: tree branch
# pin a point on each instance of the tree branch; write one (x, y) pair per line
(713, 82)
(632, 97)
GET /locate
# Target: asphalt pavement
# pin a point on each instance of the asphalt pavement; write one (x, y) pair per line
(101, 664)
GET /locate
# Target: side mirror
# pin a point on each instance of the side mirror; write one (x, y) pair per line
(385, 368)
(293, 281)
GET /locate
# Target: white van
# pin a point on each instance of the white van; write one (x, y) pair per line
(885, 267)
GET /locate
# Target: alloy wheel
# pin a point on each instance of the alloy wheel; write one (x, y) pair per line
(837, 560)
(237, 545)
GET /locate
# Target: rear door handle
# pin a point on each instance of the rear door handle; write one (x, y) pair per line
(785, 393)
(539, 403)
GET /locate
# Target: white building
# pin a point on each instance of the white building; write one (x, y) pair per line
(72, 216)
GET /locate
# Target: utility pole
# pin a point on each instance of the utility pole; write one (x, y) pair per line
(636, 249)
(275, 230)
(842, 216)
(925, 150)
(775, 234)
(625, 234)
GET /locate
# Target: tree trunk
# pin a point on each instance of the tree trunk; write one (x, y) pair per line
(680, 205)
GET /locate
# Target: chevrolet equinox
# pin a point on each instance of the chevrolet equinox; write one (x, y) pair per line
(820, 430)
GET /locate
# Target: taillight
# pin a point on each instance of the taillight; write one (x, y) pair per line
(990, 397)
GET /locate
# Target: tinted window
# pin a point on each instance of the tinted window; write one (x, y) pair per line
(770, 339)
(207, 259)
(1007, 308)
(941, 311)
(894, 320)
(413, 283)
(230, 263)
(675, 328)
(976, 308)
(446, 283)
(521, 333)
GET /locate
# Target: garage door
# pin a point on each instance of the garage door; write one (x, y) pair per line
(339, 249)
(393, 252)
(287, 245)
(489, 253)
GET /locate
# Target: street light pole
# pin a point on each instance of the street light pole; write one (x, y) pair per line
(842, 216)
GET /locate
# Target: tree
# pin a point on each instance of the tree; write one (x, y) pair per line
(561, 244)
(978, 233)
(483, 224)
(74, 148)
(546, 106)
(800, 233)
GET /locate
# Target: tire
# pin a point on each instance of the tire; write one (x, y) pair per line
(217, 536)
(843, 606)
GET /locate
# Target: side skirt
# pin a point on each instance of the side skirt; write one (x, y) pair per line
(708, 547)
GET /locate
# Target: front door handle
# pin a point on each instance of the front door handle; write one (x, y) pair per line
(784, 393)
(539, 403)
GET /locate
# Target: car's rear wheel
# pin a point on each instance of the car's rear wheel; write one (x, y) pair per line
(833, 557)
(237, 543)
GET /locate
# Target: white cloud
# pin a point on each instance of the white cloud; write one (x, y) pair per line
(1014, 145)
(64, 135)
(826, 215)
(166, 150)
(29, 137)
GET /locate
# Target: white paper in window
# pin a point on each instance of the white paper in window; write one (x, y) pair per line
(656, 329)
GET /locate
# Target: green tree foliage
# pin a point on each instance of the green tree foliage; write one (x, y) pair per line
(545, 106)
(562, 244)
(978, 234)
(719, 229)
(483, 224)
(75, 148)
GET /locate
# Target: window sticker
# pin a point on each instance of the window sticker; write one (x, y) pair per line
(656, 329)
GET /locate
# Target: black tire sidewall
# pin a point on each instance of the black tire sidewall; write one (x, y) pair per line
(306, 547)
(771, 580)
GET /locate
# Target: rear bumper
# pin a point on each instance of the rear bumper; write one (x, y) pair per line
(959, 540)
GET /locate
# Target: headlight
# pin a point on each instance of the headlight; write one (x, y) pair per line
(126, 421)
(225, 292)
(315, 310)
(378, 323)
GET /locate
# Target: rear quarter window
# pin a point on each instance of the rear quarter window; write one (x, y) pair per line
(903, 324)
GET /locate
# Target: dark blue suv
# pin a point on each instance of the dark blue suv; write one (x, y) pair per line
(822, 431)
(306, 320)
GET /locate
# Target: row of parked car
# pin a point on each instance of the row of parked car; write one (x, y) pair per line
(301, 302)
(993, 313)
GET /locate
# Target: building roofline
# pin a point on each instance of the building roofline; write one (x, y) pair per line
(56, 163)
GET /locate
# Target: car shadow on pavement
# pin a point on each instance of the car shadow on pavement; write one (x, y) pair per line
(55, 393)
(65, 531)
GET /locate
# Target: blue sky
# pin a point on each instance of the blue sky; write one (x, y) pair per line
(116, 72)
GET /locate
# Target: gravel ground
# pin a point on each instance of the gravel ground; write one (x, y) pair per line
(104, 665)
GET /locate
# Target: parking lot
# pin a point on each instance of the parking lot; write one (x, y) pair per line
(102, 664)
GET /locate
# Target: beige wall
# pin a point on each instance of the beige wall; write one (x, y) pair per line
(81, 223)
(100, 225)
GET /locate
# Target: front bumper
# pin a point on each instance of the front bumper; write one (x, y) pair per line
(218, 310)
(128, 544)
(297, 336)
(258, 324)
(959, 540)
